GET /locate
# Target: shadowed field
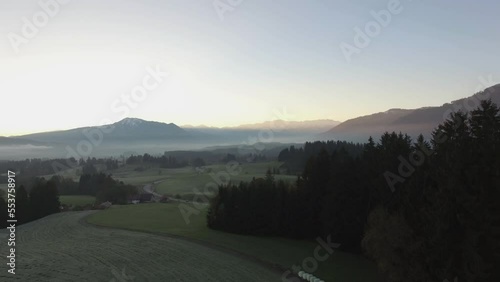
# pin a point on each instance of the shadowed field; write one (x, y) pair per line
(62, 247)
(168, 219)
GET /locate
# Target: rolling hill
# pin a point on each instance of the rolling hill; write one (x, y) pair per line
(309, 126)
(411, 121)
(62, 247)
(127, 135)
(128, 129)
(137, 136)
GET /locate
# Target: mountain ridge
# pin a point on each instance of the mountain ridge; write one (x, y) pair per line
(412, 121)
(288, 125)
(142, 132)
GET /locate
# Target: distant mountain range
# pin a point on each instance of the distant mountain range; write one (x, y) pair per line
(19, 141)
(413, 122)
(133, 135)
(126, 129)
(140, 136)
(138, 130)
(282, 131)
(277, 125)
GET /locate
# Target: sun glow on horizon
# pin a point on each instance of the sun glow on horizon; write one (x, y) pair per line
(259, 59)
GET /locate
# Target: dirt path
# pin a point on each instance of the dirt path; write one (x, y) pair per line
(149, 188)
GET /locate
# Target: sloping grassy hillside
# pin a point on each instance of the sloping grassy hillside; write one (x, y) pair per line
(167, 218)
(61, 247)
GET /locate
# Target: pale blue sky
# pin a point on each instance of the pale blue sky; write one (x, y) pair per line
(261, 57)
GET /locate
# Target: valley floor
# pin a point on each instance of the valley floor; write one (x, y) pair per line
(282, 253)
(62, 247)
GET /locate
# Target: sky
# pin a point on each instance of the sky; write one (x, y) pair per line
(67, 64)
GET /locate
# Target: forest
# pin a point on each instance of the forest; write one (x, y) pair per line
(37, 197)
(423, 210)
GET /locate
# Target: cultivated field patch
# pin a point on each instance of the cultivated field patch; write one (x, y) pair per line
(61, 247)
(76, 200)
(167, 219)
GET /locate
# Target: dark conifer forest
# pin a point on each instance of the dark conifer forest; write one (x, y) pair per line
(423, 210)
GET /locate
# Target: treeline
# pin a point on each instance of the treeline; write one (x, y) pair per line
(163, 161)
(329, 183)
(32, 167)
(42, 196)
(424, 211)
(178, 159)
(295, 158)
(36, 167)
(105, 188)
(97, 184)
(259, 207)
(42, 200)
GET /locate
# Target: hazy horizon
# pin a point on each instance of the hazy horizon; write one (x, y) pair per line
(236, 67)
(250, 140)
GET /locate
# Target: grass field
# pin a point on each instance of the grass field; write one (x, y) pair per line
(77, 200)
(61, 247)
(72, 173)
(167, 218)
(129, 175)
(189, 181)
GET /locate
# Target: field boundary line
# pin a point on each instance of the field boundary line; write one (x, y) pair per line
(275, 267)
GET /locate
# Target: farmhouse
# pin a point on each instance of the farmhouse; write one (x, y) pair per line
(146, 198)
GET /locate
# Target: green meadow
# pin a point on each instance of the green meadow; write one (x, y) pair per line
(76, 200)
(189, 180)
(168, 219)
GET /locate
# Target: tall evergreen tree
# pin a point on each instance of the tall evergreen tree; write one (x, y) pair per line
(22, 205)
